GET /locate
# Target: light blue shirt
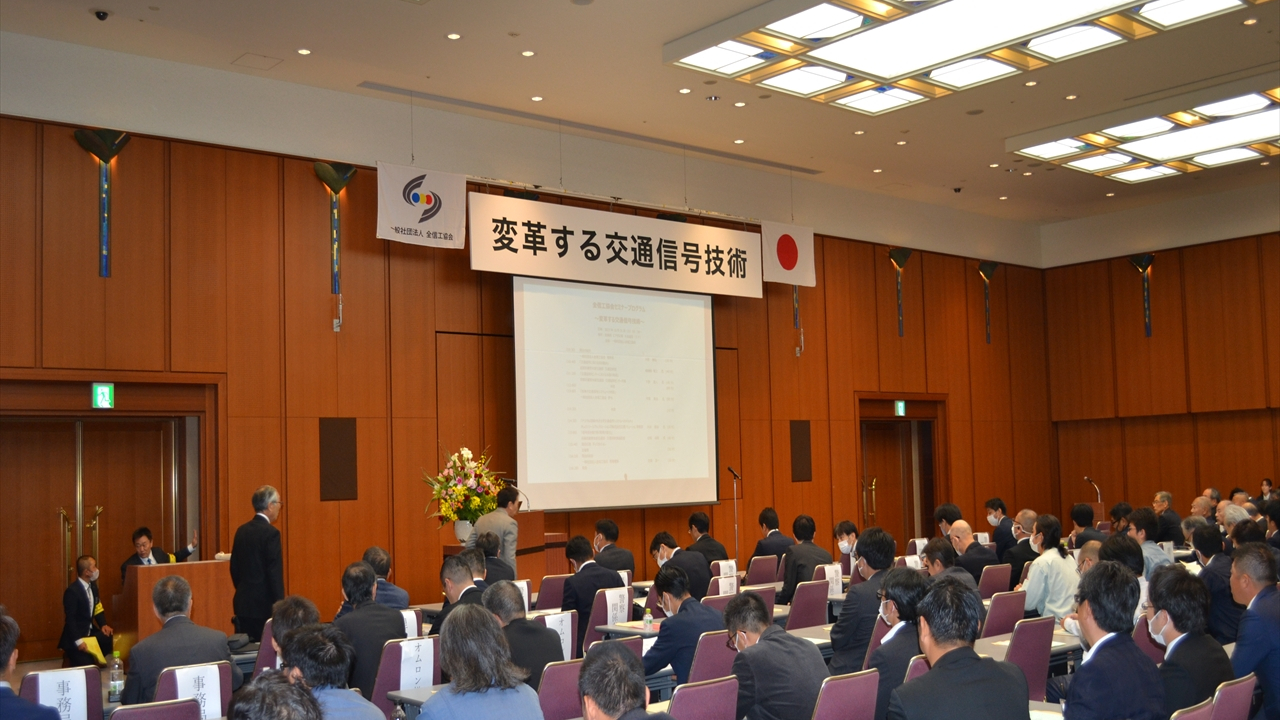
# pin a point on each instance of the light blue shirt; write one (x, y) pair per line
(518, 703)
(344, 704)
(1152, 557)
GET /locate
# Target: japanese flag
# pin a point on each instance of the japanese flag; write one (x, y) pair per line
(788, 254)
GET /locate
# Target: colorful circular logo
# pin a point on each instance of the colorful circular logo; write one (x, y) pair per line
(415, 195)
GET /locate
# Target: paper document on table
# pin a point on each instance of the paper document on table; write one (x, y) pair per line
(816, 641)
(1045, 715)
(647, 643)
(1004, 643)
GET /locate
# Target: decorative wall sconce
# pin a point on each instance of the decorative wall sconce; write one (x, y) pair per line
(335, 176)
(899, 257)
(987, 270)
(1143, 264)
(104, 145)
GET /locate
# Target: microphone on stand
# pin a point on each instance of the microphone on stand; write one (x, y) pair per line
(737, 550)
(512, 483)
(736, 476)
(1095, 487)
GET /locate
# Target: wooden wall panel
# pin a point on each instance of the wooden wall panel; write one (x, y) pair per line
(19, 168)
(1028, 360)
(1235, 449)
(848, 278)
(902, 361)
(198, 257)
(362, 343)
(810, 498)
(459, 396)
(728, 432)
(1269, 247)
(497, 313)
(136, 301)
(1160, 454)
(1151, 372)
(255, 457)
(798, 383)
(366, 521)
(846, 471)
(1035, 474)
(498, 365)
(457, 292)
(946, 327)
(314, 527)
(757, 476)
(311, 355)
(415, 543)
(1081, 360)
(724, 319)
(1225, 357)
(1093, 448)
(753, 360)
(989, 384)
(413, 335)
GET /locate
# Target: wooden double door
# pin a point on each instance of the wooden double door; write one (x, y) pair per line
(898, 477)
(72, 487)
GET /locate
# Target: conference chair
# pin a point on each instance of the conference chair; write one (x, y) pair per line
(89, 675)
(1232, 699)
(600, 615)
(719, 602)
(781, 574)
(723, 585)
(551, 592)
(919, 666)
(900, 561)
(266, 659)
(634, 643)
(1203, 711)
(390, 665)
(990, 546)
(995, 578)
(1026, 569)
(768, 593)
(651, 604)
(712, 658)
(573, 629)
(1029, 648)
(809, 606)
(1144, 642)
(1007, 608)
(167, 686)
(185, 709)
(820, 573)
(558, 691)
(1105, 527)
(762, 569)
(719, 568)
(846, 565)
(706, 700)
(878, 631)
(412, 622)
(848, 697)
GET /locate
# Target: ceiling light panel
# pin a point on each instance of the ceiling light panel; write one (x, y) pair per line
(1143, 174)
(1225, 157)
(880, 100)
(967, 73)
(1140, 129)
(1234, 106)
(1098, 163)
(807, 80)
(1258, 127)
(1170, 13)
(1073, 41)
(1056, 149)
(818, 23)
(729, 58)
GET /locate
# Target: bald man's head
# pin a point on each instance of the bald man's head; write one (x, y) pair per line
(1088, 556)
(961, 535)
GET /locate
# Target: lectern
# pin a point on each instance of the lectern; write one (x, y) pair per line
(211, 593)
(538, 552)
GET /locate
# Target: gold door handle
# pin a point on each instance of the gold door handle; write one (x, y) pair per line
(64, 538)
(94, 527)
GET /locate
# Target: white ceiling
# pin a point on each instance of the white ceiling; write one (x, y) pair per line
(600, 65)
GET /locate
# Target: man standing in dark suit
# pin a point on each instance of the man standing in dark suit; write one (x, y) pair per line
(459, 589)
(852, 632)
(1253, 582)
(84, 616)
(665, 551)
(901, 593)
(1116, 680)
(959, 684)
(971, 555)
(773, 542)
(800, 560)
(368, 626)
(396, 598)
(1170, 522)
(1002, 526)
(1194, 663)
(1022, 553)
(703, 543)
(13, 707)
(257, 569)
(495, 568)
(147, 554)
(588, 577)
(779, 675)
(608, 554)
(686, 620)
(1083, 530)
(179, 642)
(532, 644)
(1224, 611)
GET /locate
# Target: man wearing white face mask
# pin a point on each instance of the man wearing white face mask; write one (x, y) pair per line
(686, 620)
(1194, 663)
(664, 550)
(858, 615)
(1002, 526)
(902, 590)
(85, 617)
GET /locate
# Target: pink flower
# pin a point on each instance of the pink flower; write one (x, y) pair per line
(471, 484)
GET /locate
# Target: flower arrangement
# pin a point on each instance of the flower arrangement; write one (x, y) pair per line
(465, 490)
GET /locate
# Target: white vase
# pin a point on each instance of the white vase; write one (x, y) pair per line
(462, 529)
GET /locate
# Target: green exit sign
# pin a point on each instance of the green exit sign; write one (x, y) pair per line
(104, 396)
(900, 408)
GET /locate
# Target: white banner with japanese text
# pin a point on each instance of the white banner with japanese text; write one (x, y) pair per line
(524, 237)
(421, 207)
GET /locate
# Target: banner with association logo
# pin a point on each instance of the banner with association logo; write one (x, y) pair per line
(421, 207)
(788, 254)
(524, 237)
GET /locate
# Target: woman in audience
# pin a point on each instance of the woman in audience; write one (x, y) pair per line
(1051, 583)
(901, 590)
(484, 683)
(1120, 518)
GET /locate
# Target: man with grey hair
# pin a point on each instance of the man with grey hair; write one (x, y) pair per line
(533, 645)
(1231, 515)
(179, 642)
(1203, 507)
(257, 567)
(1024, 526)
(1169, 522)
(1189, 525)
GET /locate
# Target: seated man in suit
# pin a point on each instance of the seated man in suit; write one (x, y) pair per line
(1190, 524)
(272, 695)
(13, 707)
(1168, 521)
(711, 549)
(779, 674)
(288, 614)
(533, 645)
(959, 684)
(320, 658)
(852, 632)
(1194, 663)
(1253, 583)
(1024, 526)
(665, 550)
(944, 515)
(1273, 523)
(773, 542)
(611, 685)
(1116, 680)
(1082, 530)
(1144, 528)
(147, 554)
(393, 597)
(900, 595)
(686, 620)
(846, 536)
(474, 559)
(368, 626)
(1002, 532)
(938, 559)
(459, 588)
(588, 577)
(83, 616)
(971, 555)
(800, 560)
(608, 554)
(179, 642)
(495, 568)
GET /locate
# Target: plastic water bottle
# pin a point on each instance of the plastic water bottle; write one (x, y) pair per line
(648, 620)
(115, 668)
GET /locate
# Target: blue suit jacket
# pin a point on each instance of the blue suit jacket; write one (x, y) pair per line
(1118, 682)
(1224, 613)
(13, 707)
(1258, 648)
(1003, 537)
(678, 638)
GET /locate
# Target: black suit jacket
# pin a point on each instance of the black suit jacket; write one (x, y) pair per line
(963, 685)
(975, 558)
(1003, 537)
(852, 632)
(694, 565)
(532, 646)
(369, 627)
(799, 561)
(1118, 682)
(1224, 612)
(1193, 671)
(678, 638)
(78, 616)
(179, 642)
(160, 556)
(495, 569)
(1087, 535)
(256, 568)
(778, 677)
(1019, 555)
(775, 543)
(710, 548)
(1171, 528)
(468, 597)
(580, 593)
(892, 659)
(616, 558)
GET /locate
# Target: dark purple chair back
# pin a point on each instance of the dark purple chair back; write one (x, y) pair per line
(1026, 569)
(707, 700)
(719, 602)
(989, 546)
(600, 616)
(30, 690)
(820, 572)
(995, 578)
(551, 592)
(388, 678)
(1143, 640)
(762, 569)
(573, 635)
(266, 659)
(1029, 650)
(768, 593)
(558, 692)
(919, 666)
(900, 561)
(1007, 608)
(848, 697)
(186, 709)
(651, 604)
(846, 565)
(712, 658)
(809, 606)
(634, 643)
(722, 586)
(878, 631)
(1232, 700)
(1203, 711)
(781, 573)
(167, 685)
(1105, 527)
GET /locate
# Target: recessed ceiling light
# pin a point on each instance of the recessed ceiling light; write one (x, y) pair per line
(739, 104)
(1234, 106)
(303, 51)
(729, 57)
(1143, 174)
(1098, 163)
(1175, 12)
(1201, 139)
(1026, 173)
(902, 142)
(859, 132)
(713, 98)
(1071, 97)
(877, 170)
(536, 98)
(994, 165)
(1265, 162)
(1250, 21)
(818, 23)
(1111, 194)
(738, 142)
(880, 100)
(1030, 83)
(1004, 197)
(1139, 129)
(1073, 41)
(1056, 149)
(971, 72)
(453, 36)
(807, 80)
(528, 53)
(1225, 157)
(685, 91)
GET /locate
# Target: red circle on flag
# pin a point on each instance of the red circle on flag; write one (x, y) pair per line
(788, 253)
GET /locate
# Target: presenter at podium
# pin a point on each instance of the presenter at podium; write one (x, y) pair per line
(257, 570)
(501, 522)
(147, 554)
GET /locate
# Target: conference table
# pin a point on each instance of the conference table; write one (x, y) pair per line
(1065, 645)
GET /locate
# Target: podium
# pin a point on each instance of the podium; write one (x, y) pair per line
(538, 552)
(134, 618)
